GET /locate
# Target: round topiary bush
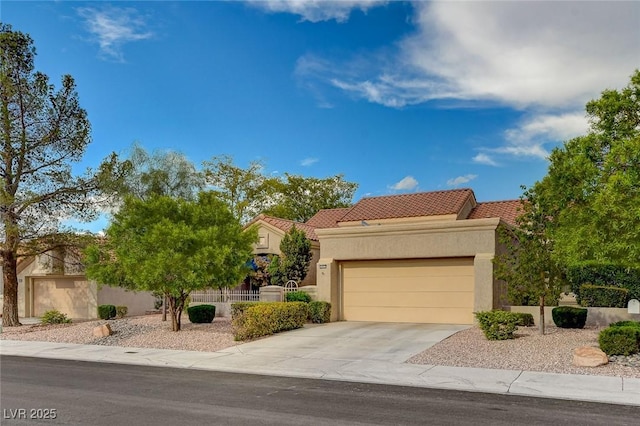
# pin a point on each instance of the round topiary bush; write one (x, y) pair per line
(619, 340)
(298, 296)
(201, 314)
(106, 312)
(569, 317)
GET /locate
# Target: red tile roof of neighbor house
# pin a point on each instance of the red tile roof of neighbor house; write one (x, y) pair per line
(398, 206)
(328, 218)
(507, 210)
(418, 204)
(285, 225)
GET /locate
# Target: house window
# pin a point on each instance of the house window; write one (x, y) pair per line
(263, 241)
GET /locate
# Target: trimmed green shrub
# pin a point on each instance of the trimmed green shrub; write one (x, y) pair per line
(297, 296)
(268, 318)
(106, 312)
(54, 317)
(319, 312)
(201, 314)
(625, 324)
(603, 296)
(604, 274)
(524, 319)
(569, 317)
(238, 308)
(498, 325)
(619, 340)
(121, 311)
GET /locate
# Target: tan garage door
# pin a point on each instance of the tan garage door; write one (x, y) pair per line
(69, 296)
(420, 291)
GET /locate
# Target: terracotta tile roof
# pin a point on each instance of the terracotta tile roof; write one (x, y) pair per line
(409, 205)
(328, 218)
(507, 210)
(285, 225)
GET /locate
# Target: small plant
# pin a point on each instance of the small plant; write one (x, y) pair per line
(524, 319)
(623, 340)
(107, 312)
(319, 312)
(297, 296)
(603, 296)
(201, 314)
(54, 317)
(569, 317)
(497, 325)
(121, 311)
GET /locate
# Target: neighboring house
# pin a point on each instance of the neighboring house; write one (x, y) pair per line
(422, 257)
(56, 281)
(271, 230)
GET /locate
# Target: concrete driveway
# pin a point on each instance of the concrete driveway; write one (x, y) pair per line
(350, 341)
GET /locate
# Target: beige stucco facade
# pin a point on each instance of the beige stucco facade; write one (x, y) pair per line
(468, 245)
(45, 283)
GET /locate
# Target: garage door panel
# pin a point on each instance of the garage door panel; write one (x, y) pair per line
(415, 299)
(422, 290)
(362, 285)
(400, 268)
(68, 296)
(425, 315)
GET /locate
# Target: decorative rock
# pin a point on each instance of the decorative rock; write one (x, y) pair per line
(588, 356)
(102, 330)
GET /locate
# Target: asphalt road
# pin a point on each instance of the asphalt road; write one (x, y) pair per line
(34, 390)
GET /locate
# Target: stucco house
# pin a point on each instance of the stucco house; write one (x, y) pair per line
(271, 230)
(56, 281)
(421, 257)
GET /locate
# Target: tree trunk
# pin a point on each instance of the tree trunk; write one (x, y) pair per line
(10, 277)
(164, 308)
(541, 325)
(176, 312)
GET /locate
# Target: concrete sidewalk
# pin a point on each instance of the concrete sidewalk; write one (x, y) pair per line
(253, 358)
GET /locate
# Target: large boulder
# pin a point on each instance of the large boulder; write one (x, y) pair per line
(588, 356)
(103, 330)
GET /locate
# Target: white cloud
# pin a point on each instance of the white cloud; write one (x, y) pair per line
(113, 27)
(461, 180)
(482, 158)
(548, 127)
(546, 59)
(317, 10)
(308, 161)
(405, 184)
(549, 54)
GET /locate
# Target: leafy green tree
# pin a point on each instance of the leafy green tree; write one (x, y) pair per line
(43, 132)
(527, 263)
(167, 173)
(248, 192)
(592, 189)
(172, 246)
(298, 198)
(245, 191)
(276, 274)
(293, 263)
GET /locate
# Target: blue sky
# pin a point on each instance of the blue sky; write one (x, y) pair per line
(397, 96)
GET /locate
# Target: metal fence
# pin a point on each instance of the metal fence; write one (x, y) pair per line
(224, 296)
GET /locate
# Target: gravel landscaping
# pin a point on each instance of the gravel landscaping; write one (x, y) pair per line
(552, 352)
